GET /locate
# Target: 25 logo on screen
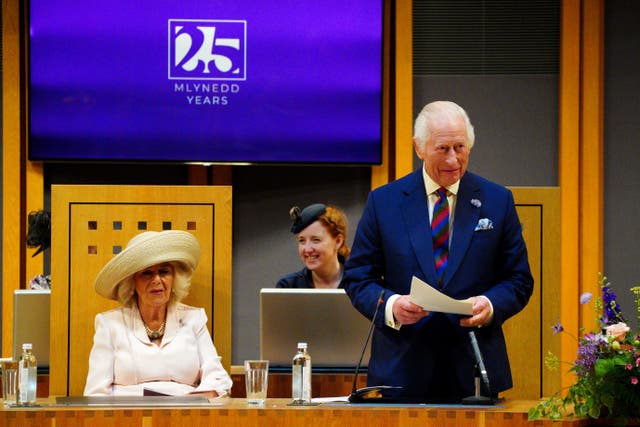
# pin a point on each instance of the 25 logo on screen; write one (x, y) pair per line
(207, 49)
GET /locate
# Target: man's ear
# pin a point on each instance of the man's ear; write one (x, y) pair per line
(416, 144)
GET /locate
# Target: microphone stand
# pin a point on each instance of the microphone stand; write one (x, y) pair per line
(479, 372)
(373, 393)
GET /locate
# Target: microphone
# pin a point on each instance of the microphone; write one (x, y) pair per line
(373, 393)
(480, 371)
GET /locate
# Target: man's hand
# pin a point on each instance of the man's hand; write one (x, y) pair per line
(407, 313)
(482, 313)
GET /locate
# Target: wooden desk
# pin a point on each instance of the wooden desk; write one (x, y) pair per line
(233, 412)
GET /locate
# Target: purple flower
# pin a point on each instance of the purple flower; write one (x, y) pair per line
(588, 352)
(612, 313)
(557, 328)
(585, 298)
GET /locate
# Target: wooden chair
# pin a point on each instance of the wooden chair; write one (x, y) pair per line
(90, 224)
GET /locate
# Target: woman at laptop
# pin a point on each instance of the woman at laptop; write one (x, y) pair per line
(321, 233)
(152, 343)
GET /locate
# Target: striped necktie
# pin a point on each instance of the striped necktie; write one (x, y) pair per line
(440, 233)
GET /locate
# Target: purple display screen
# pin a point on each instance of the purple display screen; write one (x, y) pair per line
(206, 81)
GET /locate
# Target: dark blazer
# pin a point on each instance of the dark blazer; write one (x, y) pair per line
(433, 359)
(300, 279)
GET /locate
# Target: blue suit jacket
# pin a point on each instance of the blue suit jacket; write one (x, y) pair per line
(433, 358)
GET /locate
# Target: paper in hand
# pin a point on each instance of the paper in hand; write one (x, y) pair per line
(431, 299)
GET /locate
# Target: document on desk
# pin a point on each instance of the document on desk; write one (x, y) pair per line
(431, 299)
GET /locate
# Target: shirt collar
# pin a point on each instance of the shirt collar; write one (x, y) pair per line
(431, 186)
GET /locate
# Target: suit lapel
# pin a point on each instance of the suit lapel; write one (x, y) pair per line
(415, 212)
(173, 320)
(135, 320)
(464, 222)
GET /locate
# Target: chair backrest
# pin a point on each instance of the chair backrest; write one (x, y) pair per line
(90, 224)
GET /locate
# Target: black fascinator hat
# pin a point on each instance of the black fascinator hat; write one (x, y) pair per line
(39, 231)
(303, 218)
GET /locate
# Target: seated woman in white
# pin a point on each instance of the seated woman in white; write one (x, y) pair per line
(153, 341)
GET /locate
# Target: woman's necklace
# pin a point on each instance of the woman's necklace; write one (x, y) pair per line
(154, 335)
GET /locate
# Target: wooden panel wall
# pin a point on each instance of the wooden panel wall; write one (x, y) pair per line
(529, 334)
(22, 181)
(581, 101)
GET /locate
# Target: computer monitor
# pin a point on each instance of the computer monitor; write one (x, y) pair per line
(31, 323)
(323, 318)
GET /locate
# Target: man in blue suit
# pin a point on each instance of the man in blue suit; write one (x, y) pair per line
(429, 354)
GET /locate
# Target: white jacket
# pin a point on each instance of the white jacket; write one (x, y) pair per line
(123, 360)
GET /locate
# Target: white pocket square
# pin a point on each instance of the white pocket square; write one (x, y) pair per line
(484, 224)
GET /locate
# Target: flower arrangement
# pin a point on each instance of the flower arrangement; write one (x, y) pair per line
(607, 366)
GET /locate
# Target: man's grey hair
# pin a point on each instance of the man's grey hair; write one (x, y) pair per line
(435, 109)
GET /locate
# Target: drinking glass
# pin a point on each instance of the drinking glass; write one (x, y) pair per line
(256, 373)
(9, 382)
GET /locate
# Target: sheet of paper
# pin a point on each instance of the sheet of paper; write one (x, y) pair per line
(431, 299)
(344, 399)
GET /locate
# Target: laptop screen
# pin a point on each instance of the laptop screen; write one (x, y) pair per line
(31, 323)
(323, 318)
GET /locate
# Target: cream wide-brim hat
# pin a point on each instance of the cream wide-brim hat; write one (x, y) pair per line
(145, 250)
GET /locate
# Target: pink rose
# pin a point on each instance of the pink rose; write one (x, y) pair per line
(617, 331)
(634, 380)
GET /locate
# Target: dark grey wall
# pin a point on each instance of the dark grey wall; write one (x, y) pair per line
(515, 119)
(516, 144)
(622, 150)
(263, 248)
